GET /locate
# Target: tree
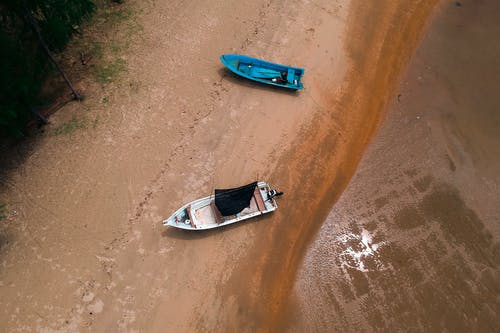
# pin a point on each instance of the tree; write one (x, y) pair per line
(30, 31)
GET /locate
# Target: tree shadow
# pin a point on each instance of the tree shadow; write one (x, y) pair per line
(5, 240)
(15, 152)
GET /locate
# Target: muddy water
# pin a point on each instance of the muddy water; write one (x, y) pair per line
(381, 39)
(413, 243)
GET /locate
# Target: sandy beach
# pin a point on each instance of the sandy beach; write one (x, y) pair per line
(82, 247)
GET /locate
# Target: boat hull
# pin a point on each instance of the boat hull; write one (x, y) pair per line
(199, 214)
(264, 71)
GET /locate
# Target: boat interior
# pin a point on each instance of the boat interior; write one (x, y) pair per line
(207, 213)
(283, 76)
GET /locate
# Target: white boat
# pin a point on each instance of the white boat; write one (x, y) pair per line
(225, 207)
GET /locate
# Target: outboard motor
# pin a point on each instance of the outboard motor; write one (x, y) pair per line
(273, 193)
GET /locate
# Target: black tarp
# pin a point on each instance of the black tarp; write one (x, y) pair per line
(234, 200)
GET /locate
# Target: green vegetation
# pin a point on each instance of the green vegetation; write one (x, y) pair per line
(116, 48)
(108, 64)
(28, 30)
(115, 17)
(31, 31)
(95, 49)
(108, 71)
(70, 127)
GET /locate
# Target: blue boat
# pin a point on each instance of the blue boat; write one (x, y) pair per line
(264, 71)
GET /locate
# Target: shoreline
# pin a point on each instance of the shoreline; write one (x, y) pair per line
(413, 241)
(100, 250)
(275, 281)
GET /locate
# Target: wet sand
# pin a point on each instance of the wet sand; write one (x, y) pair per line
(326, 153)
(83, 246)
(413, 243)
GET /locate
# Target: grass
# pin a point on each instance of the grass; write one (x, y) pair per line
(106, 49)
(107, 72)
(133, 28)
(70, 127)
(116, 48)
(95, 49)
(114, 16)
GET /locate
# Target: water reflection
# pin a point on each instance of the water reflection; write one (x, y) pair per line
(358, 248)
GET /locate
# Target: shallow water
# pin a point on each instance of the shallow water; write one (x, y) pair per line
(413, 242)
(325, 155)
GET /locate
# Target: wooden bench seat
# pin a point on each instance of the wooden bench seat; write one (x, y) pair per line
(191, 220)
(258, 199)
(217, 215)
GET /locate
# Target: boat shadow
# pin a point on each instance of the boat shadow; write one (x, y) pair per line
(226, 74)
(183, 234)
